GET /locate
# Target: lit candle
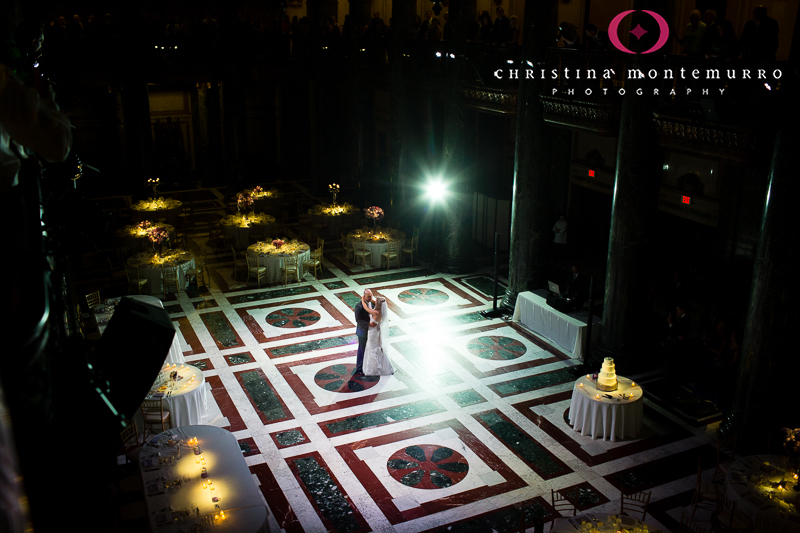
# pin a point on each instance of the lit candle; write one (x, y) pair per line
(633, 384)
(204, 485)
(197, 460)
(597, 396)
(581, 384)
(589, 376)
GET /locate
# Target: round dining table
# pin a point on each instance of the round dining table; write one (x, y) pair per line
(264, 200)
(104, 312)
(218, 471)
(376, 241)
(754, 483)
(604, 523)
(273, 258)
(607, 415)
(185, 398)
(150, 268)
(134, 238)
(166, 209)
(334, 217)
(239, 228)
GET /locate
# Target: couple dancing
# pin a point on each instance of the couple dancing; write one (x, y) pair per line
(371, 317)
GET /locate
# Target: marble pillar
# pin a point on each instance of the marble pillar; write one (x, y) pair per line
(531, 217)
(765, 399)
(455, 247)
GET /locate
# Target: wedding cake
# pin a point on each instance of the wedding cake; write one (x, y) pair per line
(607, 378)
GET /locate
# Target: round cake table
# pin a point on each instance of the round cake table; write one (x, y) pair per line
(377, 243)
(150, 268)
(166, 209)
(333, 216)
(135, 238)
(238, 495)
(750, 484)
(240, 228)
(592, 412)
(273, 259)
(185, 399)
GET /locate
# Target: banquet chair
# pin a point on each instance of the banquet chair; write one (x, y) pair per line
(253, 268)
(134, 281)
(561, 504)
(635, 502)
(411, 249)
(214, 232)
(290, 267)
(392, 255)
(348, 249)
(130, 441)
(93, 299)
(360, 252)
(727, 518)
(725, 445)
(689, 526)
(703, 492)
(315, 261)
(237, 263)
(153, 415)
(170, 275)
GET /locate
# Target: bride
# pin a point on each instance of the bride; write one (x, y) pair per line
(376, 360)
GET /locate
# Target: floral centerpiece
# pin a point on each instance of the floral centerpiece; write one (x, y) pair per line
(144, 224)
(157, 235)
(244, 200)
(277, 243)
(375, 213)
(791, 445)
(333, 188)
(257, 191)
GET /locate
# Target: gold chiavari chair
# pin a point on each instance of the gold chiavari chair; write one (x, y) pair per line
(635, 502)
(253, 269)
(361, 253)
(93, 299)
(290, 268)
(391, 255)
(153, 415)
(170, 276)
(562, 505)
(134, 281)
(237, 263)
(315, 262)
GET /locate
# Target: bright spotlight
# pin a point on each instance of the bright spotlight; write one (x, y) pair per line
(438, 54)
(436, 190)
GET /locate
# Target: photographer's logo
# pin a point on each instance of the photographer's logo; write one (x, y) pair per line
(638, 31)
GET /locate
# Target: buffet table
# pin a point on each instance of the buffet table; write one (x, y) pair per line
(105, 311)
(185, 398)
(240, 227)
(272, 258)
(753, 482)
(186, 505)
(332, 216)
(568, 330)
(150, 264)
(377, 242)
(592, 412)
(166, 209)
(134, 237)
(610, 523)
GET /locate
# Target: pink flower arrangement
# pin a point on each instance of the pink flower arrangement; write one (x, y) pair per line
(258, 189)
(244, 200)
(144, 224)
(277, 243)
(792, 441)
(374, 212)
(158, 235)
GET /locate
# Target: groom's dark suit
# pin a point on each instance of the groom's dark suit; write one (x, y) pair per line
(362, 330)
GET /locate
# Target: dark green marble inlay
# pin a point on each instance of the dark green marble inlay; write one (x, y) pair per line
(503, 521)
(245, 447)
(485, 285)
(262, 395)
(386, 416)
(219, 328)
(460, 319)
(202, 365)
(369, 280)
(239, 358)
(530, 451)
(395, 331)
(350, 299)
(310, 346)
(335, 285)
(661, 471)
(530, 383)
(467, 397)
(330, 500)
(268, 295)
(583, 496)
(174, 308)
(290, 438)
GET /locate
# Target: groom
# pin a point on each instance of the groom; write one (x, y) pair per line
(362, 329)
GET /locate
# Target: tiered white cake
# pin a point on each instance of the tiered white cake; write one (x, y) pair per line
(607, 378)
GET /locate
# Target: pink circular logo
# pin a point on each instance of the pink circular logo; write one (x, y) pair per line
(638, 31)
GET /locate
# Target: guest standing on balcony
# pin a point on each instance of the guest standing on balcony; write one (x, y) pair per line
(693, 34)
(423, 30)
(596, 40)
(513, 36)
(415, 28)
(485, 28)
(434, 31)
(723, 45)
(759, 41)
(501, 30)
(710, 20)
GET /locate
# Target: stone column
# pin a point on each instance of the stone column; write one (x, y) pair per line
(765, 398)
(531, 217)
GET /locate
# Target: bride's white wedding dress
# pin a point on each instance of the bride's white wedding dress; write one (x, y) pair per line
(376, 360)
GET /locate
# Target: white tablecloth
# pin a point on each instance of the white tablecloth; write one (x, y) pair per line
(573, 523)
(238, 493)
(568, 330)
(187, 406)
(768, 515)
(378, 248)
(274, 262)
(105, 311)
(241, 234)
(153, 275)
(604, 417)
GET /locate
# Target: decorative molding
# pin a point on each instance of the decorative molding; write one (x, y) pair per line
(597, 117)
(708, 138)
(491, 99)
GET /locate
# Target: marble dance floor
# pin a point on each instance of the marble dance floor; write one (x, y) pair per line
(469, 433)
